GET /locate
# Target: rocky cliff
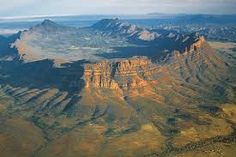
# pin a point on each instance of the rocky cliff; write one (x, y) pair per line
(124, 74)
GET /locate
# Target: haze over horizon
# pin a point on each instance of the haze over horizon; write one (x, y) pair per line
(81, 7)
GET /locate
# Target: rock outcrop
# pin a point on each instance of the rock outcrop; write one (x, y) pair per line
(198, 44)
(125, 74)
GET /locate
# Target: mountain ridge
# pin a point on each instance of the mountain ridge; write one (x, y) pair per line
(49, 40)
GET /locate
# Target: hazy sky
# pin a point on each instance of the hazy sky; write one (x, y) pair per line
(62, 7)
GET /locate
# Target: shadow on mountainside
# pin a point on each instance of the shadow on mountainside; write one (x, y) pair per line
(155, 50)
(42, 74)
(152, 52)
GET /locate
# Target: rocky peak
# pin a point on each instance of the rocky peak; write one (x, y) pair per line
(107, 24)
(199, 42)
(47, 25)
(193, 42)
(48, 22)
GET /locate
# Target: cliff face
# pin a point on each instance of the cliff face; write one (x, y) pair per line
(99, 75)
(125, 74)
(199, 43)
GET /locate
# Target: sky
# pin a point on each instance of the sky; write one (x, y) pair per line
(9, 8)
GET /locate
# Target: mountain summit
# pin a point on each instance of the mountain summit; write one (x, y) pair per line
(48, 22)
(48, 26)
(111, 24)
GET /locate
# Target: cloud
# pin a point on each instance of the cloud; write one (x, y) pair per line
(44, 7)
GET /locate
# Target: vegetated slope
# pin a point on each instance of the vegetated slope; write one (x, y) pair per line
(134, 107)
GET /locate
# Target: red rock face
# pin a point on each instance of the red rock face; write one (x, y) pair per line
(198, 44)
(124, 74)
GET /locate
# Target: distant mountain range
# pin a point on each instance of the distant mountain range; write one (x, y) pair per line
(214, 27)
(197, 18)
(227, 17)
(109, 38)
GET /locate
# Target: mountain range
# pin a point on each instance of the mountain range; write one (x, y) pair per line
(113, 89)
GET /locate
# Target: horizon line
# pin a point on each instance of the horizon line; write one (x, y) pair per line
(65, 15)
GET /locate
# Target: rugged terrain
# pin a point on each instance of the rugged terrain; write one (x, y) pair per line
(132, 92)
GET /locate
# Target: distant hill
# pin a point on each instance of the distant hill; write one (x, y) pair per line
(196, 18)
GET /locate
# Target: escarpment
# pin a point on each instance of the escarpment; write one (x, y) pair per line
(124, 74)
